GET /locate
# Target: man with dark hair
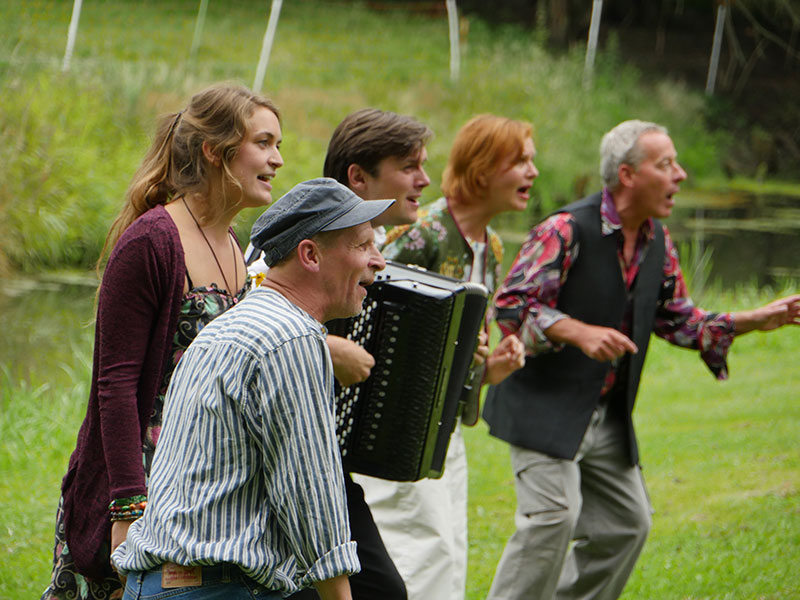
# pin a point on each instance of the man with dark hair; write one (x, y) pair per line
(376, 154)
(246, 497)
(367, 137)
(589, 286)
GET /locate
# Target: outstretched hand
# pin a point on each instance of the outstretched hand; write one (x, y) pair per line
(785, 311)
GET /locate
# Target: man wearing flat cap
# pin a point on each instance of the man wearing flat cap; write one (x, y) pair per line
(246, 492)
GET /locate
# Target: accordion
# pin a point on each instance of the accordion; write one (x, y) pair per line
(422, 330)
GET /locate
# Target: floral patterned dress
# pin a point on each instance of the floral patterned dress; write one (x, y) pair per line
(200, 306)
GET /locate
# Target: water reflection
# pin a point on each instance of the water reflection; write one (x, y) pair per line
(47, 331)
(751, 237)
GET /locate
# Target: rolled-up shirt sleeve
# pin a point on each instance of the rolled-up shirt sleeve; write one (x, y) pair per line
(683, 324)
(525, 304)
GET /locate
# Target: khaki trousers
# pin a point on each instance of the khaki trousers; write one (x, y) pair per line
(580, 524)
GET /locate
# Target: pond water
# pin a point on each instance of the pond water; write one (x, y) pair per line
(750, 237)
(47, 323)
(47, 329)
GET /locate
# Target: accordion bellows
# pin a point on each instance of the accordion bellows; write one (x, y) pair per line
(422, 330)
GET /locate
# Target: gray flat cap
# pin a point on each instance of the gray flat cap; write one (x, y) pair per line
(310, 207)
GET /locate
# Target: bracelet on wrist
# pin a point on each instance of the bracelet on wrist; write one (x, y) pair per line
(127, 509)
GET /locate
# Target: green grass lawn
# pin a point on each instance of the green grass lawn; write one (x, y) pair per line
(722, 463)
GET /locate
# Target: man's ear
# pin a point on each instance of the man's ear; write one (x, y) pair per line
(357, 179)
(209, 155)
(308, 251)
(482, 180)
(625, 174)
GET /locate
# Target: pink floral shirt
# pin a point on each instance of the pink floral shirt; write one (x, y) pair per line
(525, 304)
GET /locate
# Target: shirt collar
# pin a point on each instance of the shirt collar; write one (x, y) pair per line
(610, 221)
(466, 239)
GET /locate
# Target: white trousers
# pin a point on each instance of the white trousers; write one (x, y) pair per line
(424, 526)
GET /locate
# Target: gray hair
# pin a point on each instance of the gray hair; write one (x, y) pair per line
(621, 146)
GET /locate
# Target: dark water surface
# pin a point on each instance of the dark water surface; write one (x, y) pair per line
(47, 330)
(751, 237)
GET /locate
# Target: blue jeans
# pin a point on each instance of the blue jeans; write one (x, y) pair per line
(220, 582)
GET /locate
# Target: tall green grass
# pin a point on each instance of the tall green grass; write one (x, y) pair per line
(73, 140)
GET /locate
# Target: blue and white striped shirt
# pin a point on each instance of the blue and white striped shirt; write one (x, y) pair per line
(247, 468)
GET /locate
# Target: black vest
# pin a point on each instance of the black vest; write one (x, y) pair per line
(546, 406)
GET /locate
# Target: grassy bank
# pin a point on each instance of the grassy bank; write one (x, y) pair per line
(720, 458)
(73, 140)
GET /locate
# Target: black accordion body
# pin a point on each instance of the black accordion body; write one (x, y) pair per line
(422, 330)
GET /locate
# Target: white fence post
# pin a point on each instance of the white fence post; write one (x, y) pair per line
(266, 47)
(198, 28)
(713, 62)
(455, 45)
(591, 44)
(73, 33)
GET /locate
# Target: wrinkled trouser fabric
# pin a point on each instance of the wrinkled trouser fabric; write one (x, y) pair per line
(597, 500)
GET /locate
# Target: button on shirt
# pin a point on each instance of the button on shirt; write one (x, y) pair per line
(247, 469)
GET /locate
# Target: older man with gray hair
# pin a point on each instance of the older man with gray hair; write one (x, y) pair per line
(589, 286)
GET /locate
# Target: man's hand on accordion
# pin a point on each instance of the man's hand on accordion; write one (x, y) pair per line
(507, 357)
(351, 363)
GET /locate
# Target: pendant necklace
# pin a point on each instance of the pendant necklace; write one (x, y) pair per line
(228, 288)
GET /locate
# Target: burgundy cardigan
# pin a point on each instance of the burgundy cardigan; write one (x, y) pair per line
(138, 306)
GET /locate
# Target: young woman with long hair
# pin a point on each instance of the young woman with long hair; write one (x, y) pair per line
(174, 264)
